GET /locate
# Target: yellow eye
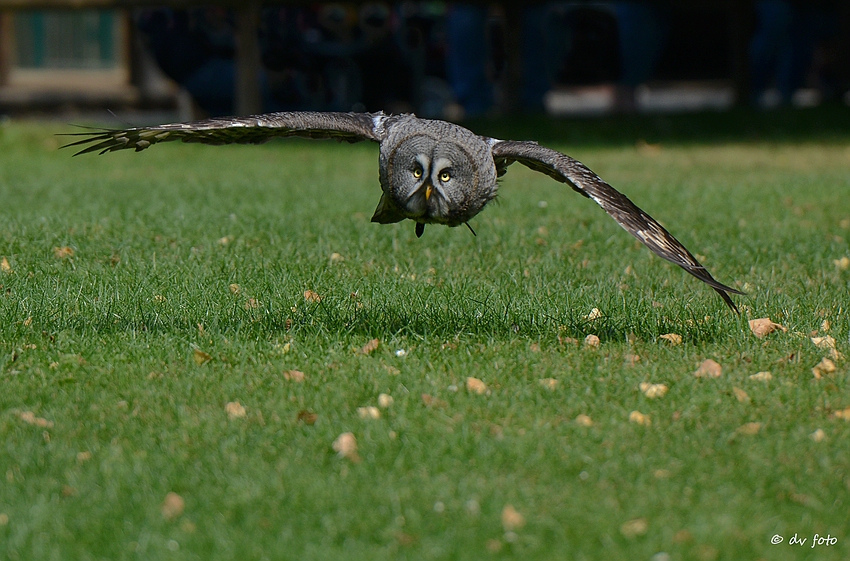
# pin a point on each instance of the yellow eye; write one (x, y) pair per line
(445, 176)
(417, 173)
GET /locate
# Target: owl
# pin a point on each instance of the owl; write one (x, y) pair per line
(431, 171)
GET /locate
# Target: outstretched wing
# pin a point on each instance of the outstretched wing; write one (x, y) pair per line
(256, 129)
(638, 223)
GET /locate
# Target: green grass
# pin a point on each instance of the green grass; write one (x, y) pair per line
(102, 343)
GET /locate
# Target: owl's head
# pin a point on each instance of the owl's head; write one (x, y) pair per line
(435, 173)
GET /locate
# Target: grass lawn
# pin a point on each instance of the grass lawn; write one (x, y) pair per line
(153, 310)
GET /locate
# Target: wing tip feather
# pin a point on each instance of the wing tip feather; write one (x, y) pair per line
(728, 299)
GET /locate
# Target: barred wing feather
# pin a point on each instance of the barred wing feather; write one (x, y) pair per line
(257, 129)
(634, 220)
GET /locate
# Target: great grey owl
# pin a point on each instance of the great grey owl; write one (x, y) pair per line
(431, 172)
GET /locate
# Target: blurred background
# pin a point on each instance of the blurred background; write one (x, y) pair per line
(438, 59)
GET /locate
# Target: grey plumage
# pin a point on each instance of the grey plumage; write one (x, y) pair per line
(431, 172)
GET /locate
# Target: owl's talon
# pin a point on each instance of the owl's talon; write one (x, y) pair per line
(420, 229)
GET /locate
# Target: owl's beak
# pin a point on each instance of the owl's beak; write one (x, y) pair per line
(428, 189)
